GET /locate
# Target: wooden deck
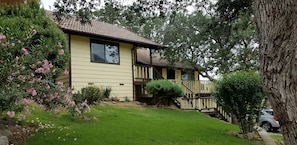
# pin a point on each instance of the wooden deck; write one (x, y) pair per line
(197, 93)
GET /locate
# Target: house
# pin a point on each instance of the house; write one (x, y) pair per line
(103, 55)
(106, 55)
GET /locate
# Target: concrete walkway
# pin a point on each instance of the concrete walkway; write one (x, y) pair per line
(266, 137)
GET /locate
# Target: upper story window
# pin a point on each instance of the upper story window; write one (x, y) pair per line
(170, 74)
(188, 75)
(105, 52)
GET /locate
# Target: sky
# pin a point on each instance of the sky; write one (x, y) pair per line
(47, 3)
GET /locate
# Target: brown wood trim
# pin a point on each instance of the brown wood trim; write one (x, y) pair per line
(70, 68)
(133, 62)
(135, 43)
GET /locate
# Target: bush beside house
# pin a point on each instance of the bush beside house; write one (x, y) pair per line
(164, 91)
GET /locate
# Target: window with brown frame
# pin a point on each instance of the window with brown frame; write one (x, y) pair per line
(104, 52)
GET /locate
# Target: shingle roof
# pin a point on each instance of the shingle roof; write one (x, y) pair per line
(143, 56)
(106, 30)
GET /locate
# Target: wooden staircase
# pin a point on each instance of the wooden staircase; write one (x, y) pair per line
(204, 103)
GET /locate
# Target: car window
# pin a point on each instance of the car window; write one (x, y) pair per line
(270, 112)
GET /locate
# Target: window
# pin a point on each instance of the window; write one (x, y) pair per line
(170, 74)
(104, 52)
(188, 75)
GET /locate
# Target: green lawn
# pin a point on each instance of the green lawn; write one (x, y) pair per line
(278, 138)
(135, 126)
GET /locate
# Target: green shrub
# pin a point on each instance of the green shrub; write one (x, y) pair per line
(127, 99)
(241, 95)
(106, 92)
(163, 90)
(91, 93)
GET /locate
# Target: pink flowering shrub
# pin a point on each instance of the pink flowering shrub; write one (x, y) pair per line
(79, 109)
(33, 54)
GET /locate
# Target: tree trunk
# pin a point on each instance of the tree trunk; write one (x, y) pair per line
(277, 25)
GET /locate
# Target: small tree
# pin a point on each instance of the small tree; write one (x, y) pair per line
(163, 90)
(241, 95)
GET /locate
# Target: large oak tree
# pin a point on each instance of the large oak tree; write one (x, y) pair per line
(276, 22)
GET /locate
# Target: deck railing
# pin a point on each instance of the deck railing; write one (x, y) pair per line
(190, 88)
(142, 72)
(203, 104)
(196, 86)
(206, 86)
(198, 103)
(145, 73)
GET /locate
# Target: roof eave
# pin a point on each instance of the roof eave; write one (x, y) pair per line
(136, 43)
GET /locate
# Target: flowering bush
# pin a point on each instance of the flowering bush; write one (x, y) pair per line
(33, 54)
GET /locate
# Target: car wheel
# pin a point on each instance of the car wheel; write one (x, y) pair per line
(266, 126)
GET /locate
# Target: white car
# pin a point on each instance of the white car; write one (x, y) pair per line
(268, 121)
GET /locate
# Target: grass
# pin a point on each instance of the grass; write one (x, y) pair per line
(278, 138)
(135, 126)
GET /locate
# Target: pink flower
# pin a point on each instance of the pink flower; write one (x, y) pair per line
(2, 36)
(61, 52)
(17, 58)
(11, 114)
(26, 101)
(22, 78)
(27, 110)
(85, 104)
(25, 51)
(77, 110)
(53, 96)
(60, 83)
(39, 70)
(66, 72)
(72, 103)
(33, 93)
(46, 66)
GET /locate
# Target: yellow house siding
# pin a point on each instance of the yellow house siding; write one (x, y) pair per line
(196, 73)
(84, 72)
(177, 74)
(164, 73)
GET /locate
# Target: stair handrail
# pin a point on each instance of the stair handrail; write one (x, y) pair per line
(187, 87)
(189, 99)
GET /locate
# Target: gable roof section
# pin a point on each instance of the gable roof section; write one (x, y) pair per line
(105, 30)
